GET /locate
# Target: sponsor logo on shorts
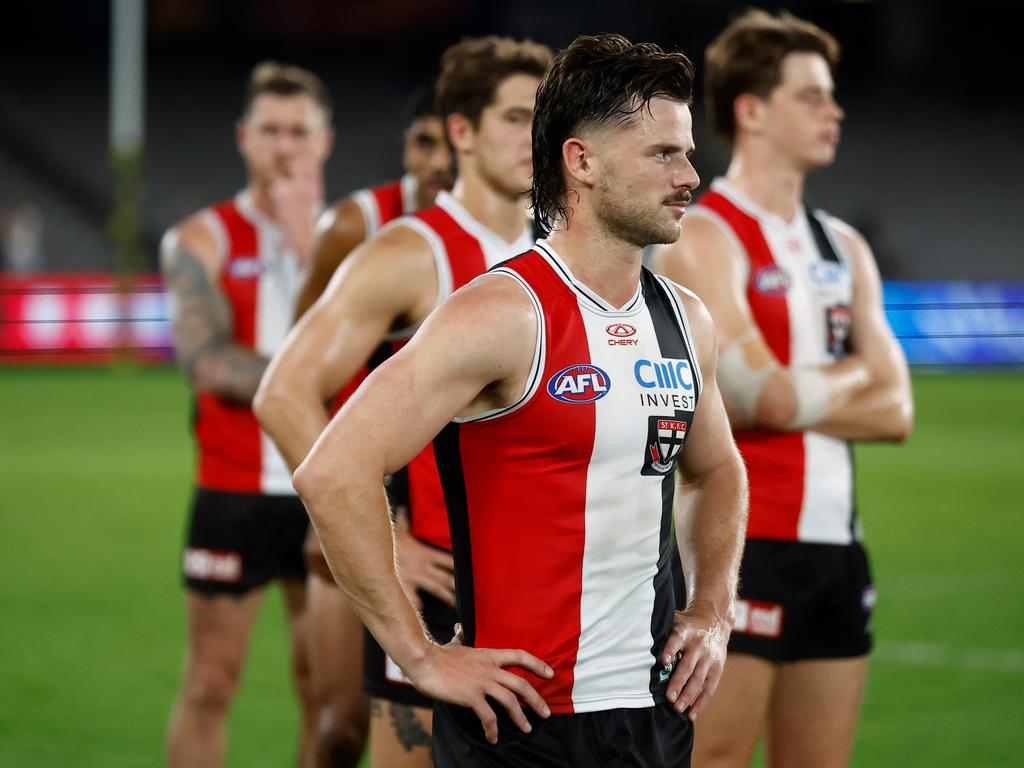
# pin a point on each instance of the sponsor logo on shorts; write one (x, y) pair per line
(245, 267)
(212, 564)
(772, 281)
(581, 383)
(754, 617)
(868, 598)
(665, 438)
(622, 333)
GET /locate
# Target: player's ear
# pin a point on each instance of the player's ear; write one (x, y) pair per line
(747, 110)
(240, 136)
(578, 161)
(460, 132)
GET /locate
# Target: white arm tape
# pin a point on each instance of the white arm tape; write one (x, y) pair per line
(740, 383)
(812, 397)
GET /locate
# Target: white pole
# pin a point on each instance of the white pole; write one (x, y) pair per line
(127, 75)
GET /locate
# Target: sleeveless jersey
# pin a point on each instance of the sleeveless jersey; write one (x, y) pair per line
(799, 287)
(463, 249)
(561, 504)
(386, 203)
(260, 279)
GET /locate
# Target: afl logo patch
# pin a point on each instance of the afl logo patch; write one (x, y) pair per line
(772, 281)
(581, 383)
(622, 330)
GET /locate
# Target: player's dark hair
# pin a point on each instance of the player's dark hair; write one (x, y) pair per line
(597, 81)
(422, 103)
(472, 70)
(286, 80)
(746, 57)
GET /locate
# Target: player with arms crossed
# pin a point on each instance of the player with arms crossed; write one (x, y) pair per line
(383, 291)
(233, 273)
(335, 633)
(559, 453)
(807, 364)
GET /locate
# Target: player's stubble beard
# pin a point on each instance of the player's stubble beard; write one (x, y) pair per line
(630, 218)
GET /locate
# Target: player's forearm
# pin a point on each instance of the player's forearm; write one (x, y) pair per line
(882, 412)
(227, 370)
(293, 417)
(347, 505)
(711, 520)
(798, 398)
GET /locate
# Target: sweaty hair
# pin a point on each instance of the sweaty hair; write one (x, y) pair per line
(286, 80)
(747, 58)
(597, 81)
(472, 70)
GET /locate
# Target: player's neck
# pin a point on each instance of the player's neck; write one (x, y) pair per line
(769, 182)
(504, 215)
(259, 195)
(607, 265)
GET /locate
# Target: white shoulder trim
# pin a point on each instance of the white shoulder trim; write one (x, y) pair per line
(533, 380)
(371, 211)
(441, 265)
(684, 325)
(703, 212)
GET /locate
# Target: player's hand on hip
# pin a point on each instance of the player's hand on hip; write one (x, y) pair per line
(421, 566)
(467, 677)
(699, 641)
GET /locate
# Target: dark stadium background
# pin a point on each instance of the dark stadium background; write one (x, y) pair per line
(95, 459)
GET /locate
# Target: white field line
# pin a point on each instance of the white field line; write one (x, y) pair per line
(924, 654)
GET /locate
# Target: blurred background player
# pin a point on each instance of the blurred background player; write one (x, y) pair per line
(807, 364)
(335, 633)
(384, 290)
(233, 271)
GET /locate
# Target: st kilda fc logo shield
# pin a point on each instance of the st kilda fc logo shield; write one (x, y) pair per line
(665, 438)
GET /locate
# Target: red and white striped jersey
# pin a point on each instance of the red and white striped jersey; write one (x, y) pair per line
(260, 278)
(463, 249)
(386, 203)
(561, 504)
(799, 286)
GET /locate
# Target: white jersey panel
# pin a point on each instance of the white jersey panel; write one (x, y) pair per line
(623, 524)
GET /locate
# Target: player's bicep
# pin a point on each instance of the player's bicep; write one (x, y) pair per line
(200, 313)
(870, 334)
(406, 401)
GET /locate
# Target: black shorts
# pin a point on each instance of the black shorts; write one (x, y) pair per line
(652, 737)
(803, 601)
(383, 679)
(239, 541)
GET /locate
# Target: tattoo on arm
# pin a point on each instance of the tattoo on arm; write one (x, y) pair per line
(408, 728)
(202, 332)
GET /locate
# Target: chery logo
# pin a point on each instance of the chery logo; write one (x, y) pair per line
(622, 333)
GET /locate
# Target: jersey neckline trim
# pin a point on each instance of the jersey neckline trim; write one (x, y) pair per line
(447, 202)
(592, 300)
(409, 187)
(724, 187)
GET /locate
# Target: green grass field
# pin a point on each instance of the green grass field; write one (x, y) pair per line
(95, 469)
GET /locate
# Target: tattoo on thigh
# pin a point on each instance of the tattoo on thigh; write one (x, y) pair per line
(408, 728)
